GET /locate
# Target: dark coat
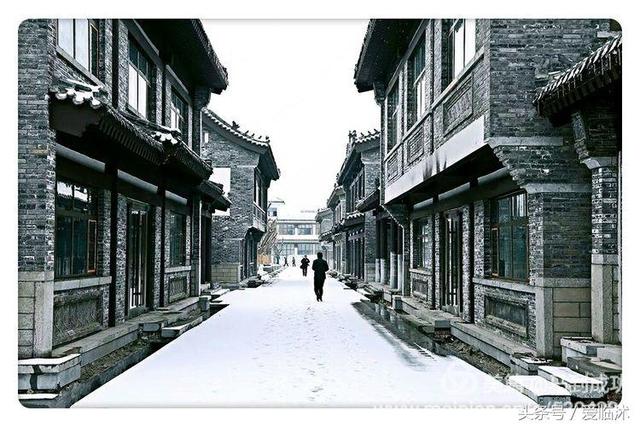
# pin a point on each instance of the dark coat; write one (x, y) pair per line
(319, 267)
(304, 263)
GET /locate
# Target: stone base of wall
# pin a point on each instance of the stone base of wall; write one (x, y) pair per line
(226, 272)
(369, 272)
(35, 314)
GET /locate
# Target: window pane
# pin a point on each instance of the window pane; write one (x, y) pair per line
(504, 254)
(520, 206)
(81, 199)
(504, 210)
(65, 35)
(63, 246)
(94, 48)
(458, 50)
(79, 246)
(469, 39)
(142, 96)
(133, 87)
(520, 252)
(92, 246)
(82, 42)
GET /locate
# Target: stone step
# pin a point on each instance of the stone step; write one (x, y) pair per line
(580, 386)
(526, 364)
(152, 326)
(610, 352)
(578, 347)
(539, 390)
(175, 331)
(597, 368)
(46, 374)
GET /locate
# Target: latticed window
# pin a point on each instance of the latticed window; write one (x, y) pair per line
(394, 130)
(423, 256)
(177, 239)
(510, 237)
(79, 39)
(139, 79)
(179, 115)
(416, 83)
(76, 230)
(461, 44)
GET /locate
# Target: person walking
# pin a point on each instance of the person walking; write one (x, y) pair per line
(304, 264)
(293, 261)
(320, 268)
(286, 261)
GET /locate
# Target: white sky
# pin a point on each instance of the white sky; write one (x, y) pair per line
(293, 81)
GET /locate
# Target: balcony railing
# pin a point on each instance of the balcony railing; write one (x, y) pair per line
(259, 218)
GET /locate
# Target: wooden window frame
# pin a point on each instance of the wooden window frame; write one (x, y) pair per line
(494, 236)
(91, 218)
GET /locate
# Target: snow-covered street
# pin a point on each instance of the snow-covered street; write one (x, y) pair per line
(276, 346)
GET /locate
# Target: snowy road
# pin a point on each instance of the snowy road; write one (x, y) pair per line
(276, 346)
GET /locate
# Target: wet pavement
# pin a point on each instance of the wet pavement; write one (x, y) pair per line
(277, 346)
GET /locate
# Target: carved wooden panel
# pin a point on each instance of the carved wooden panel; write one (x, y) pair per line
(459, 106)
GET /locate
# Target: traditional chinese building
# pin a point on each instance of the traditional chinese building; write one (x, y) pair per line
(490, 205)
(111, 183)
(244, 163)
(354, 232)
(324, 220)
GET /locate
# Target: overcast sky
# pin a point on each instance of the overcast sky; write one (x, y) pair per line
(293, 81)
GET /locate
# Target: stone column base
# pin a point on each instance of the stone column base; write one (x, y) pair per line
(35, 314)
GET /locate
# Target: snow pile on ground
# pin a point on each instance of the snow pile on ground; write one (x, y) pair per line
(277, 346)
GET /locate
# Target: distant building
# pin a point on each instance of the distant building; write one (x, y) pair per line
(297, 233)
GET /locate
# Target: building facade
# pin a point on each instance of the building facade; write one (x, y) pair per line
(111, 186)
(495, 214)
(297, 233)
(324, 220)
(354, 232)
(246, 165)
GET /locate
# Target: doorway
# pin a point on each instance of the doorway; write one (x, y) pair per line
(205, 250)
(451, 295)
(137, 256)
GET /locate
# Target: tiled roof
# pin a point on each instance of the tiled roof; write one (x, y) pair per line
(355, 140)
(260, 142)
(370, 202)
(235, 129)
(159, 143)
(597, 70)
(336, 192)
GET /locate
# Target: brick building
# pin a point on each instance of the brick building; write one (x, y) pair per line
(324, 220)
(490, 205)
(354, 232)
(111, 186)
(246, 166)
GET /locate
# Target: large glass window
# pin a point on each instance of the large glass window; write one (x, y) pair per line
(177, 239)
(509, 237)
(462, 45)
(288, 229)
(139, 79)
(79, 38)
(394, 130)
(179, 116)
(417, 83)
(76, 231)
(305, 229)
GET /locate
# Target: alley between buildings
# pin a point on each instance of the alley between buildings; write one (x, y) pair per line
(276, 346)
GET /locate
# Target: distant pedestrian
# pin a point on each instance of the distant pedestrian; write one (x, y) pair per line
(286, 261)
(304, 264)
(293, 261)
(320, 268)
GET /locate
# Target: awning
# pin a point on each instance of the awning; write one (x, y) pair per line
(369, 203)
(212, 193)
